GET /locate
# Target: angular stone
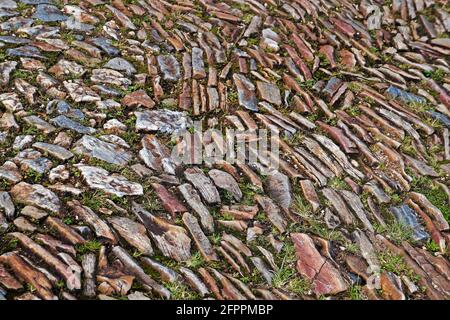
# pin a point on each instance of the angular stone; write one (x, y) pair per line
(203, 184)
(170, 67)
(326, 279)
(404, 214)
(120, 64)
(25, 51)
(70, 275)
(246, 92)
(102, 150)
(169, 201)
(226, 181)
(194, 201)
(279, 189)
(194, 281)
(99, 226)
(137, 99)
(124, 20)
(198, 66)
(65, 67)
(134, 233)
(54, 150)
(171, 240)
(29, 274)
(80, 93)
(23, 225)
(269, 92)
(5, 69)
(11, 102)
(112, 77)
(131, 266)
(10, 172)
(33, 213)
(66, 123)
(155, 155)
(39, 124)
(36, 195)
(48, 13)
(98, 178)
(6, 205)
(162, 120)
(200, 238)
(273, 212)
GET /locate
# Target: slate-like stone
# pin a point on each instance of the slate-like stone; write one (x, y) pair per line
(102, 150)
(99, 178)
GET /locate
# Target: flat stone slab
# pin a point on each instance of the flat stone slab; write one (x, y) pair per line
(102, 150)
(36, 195)
(162, 120)
(98, 178)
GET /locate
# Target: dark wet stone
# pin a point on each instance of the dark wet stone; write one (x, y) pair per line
(407, 216)
(404, 96)
(64, 122)
(14, 40)
(106, 45)
(331, 87)
(25, 51)
(440, 117)
(16, 23)
(35, 2)
(49, 13)
(246, 92)
(62, 107)
(102, 150)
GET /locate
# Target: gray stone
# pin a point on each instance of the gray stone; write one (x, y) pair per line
(5, 69)
(54, 150)
(49, 13)
(246, 92)
(405, 215)
(6, 204)
(169, 67)
(64, 122)
(269, 92)
(162, 120)
(36, 195)
(121, 64)
(102, 150)
(98, 178)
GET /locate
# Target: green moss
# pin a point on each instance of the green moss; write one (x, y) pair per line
(432, 246)
(434, 194)
(286, 276)
(437, 75)
(196, 261)
(33, 176)
(408, 147)
(355, 293)
(93, 200)
(396, 231)
(338, 184)
(89, 246)
(180, 291)
(252, 41)
(302, 207)
(396, 264)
